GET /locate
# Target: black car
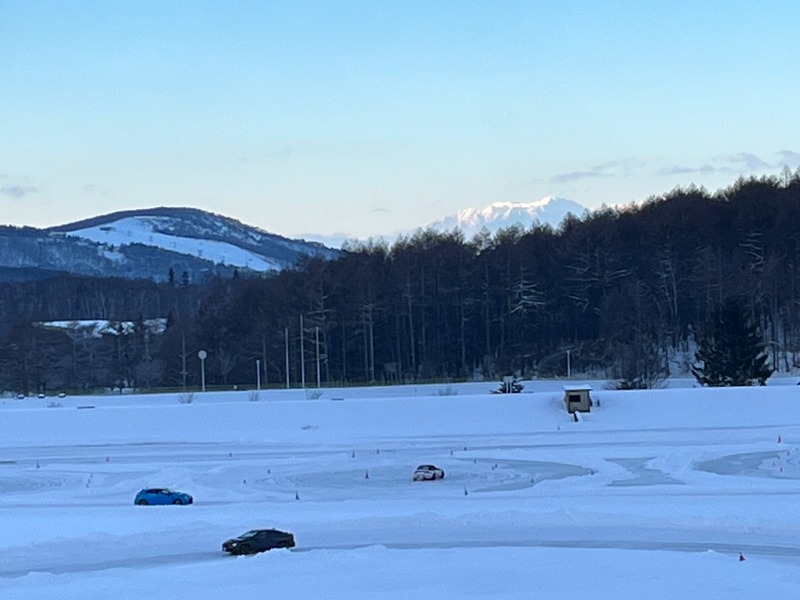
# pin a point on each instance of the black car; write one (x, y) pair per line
(259, 540)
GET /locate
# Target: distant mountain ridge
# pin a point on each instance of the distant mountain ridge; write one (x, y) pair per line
(198, 233)
(550, 210)
(193, 244)
(149, 244)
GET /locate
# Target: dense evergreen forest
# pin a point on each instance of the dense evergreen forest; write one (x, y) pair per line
(618, 293)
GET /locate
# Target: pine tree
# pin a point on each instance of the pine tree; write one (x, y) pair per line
(732, 352)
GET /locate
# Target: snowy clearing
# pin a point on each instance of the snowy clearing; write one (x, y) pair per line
(653, 494)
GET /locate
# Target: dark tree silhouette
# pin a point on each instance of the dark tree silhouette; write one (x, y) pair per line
(732, 351)
(624, 289)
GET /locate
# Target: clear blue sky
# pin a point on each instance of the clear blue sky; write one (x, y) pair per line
(370, 117)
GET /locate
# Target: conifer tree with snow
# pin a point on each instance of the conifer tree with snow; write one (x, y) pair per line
(732, 351)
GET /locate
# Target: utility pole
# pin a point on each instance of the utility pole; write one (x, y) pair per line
(316, 335)
(302, 356)
(184, 372)
(286, 344)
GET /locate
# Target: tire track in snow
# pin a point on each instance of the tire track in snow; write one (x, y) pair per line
(188, 558)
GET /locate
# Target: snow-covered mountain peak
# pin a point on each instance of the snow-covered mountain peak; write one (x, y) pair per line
(525, 205)
(550, 210)
(186, 239)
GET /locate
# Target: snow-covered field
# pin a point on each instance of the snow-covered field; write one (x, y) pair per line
(651, 495)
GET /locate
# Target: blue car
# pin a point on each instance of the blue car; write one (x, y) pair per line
(161, 496)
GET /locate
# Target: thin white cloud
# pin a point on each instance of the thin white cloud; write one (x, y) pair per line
(93, 188)
(750, 161)
(18, 191)
(732, 164)
(576, 176)
(683, 170)
(789, 157)
(622, 167)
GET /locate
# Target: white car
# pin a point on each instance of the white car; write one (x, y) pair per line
(427, 473)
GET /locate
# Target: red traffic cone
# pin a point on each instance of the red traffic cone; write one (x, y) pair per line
(741, 557)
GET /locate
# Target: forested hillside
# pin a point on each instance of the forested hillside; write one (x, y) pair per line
(619, 291)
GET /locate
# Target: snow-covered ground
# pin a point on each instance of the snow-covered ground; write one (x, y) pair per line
(141, 230)
(651, 495)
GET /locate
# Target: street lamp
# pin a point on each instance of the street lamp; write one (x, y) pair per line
(258, 374)
(202, 355)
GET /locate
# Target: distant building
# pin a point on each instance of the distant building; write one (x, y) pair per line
(577, 398)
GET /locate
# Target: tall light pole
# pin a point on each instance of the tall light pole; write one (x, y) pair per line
(184, 354)
(569, 366)
(316, 336)
(286, 344)
(202, 355)
(302, 356)
(258, 374)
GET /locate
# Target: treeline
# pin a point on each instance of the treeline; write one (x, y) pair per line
(618, 292)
